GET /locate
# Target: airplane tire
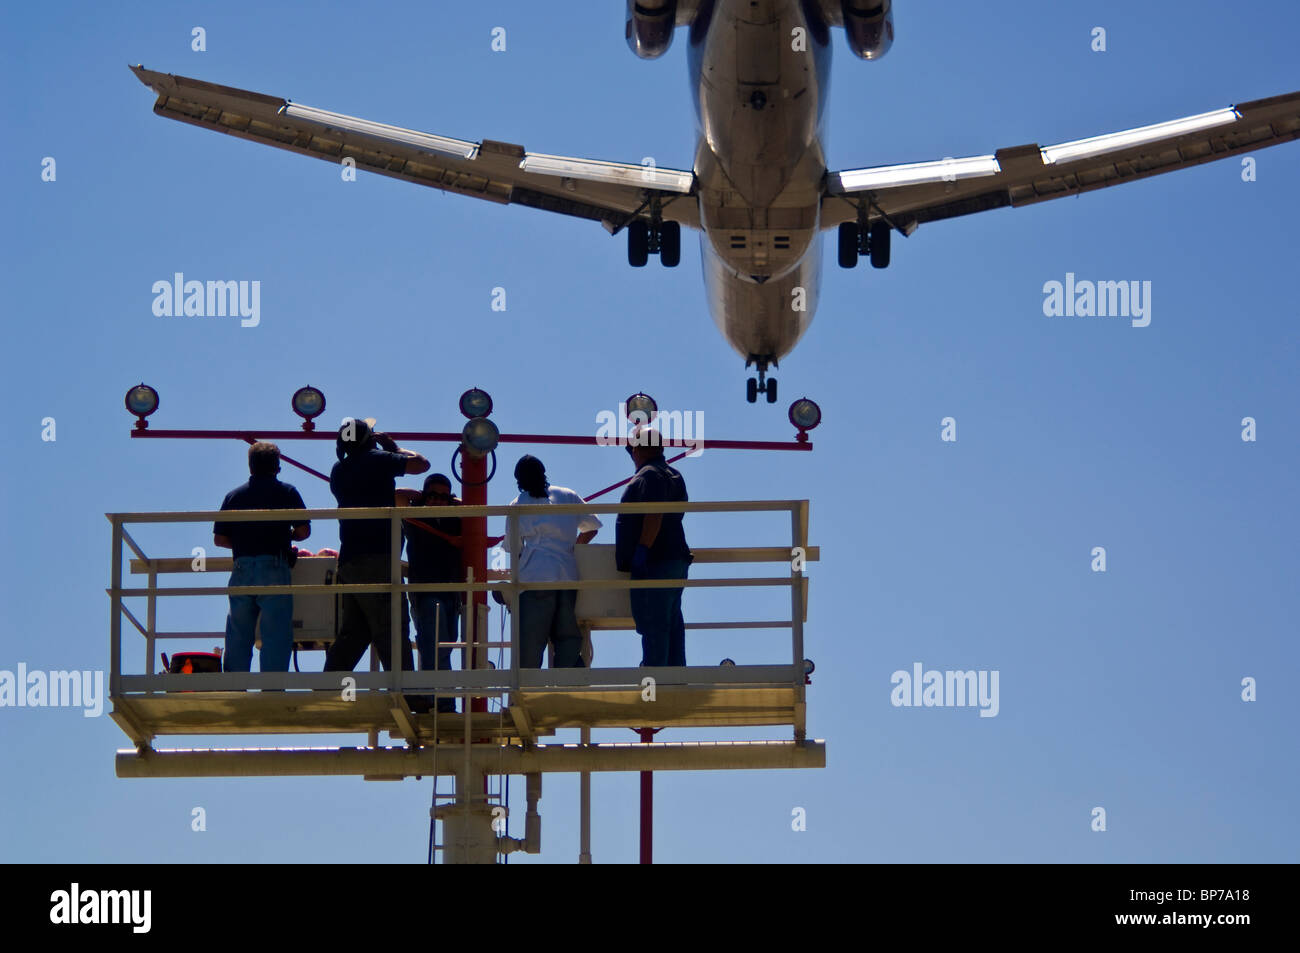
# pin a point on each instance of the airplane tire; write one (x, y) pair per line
(880, 233)
(848, 244)
(771, 390)
(670, 244)
(638, 244)
(751, 390)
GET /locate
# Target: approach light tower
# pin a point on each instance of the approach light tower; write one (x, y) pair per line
(475, 744)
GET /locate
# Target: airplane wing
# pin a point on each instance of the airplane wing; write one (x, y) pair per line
(612, 193)
(912, 194)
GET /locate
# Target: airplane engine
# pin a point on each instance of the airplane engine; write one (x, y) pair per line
(869, 25)
(649, 29)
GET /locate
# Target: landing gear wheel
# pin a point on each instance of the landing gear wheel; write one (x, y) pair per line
(670, 244)
(638, 244)
(849, 236)
(751, 390)
(879, 244)
(771, 390)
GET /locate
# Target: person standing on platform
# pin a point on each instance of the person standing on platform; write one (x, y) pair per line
(433, 553)
(263, 557)
(543, 550)
(653, 546)
(365, 476)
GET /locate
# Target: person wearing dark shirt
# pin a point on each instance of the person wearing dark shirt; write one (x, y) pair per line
(261, 552)
(433, 554)
(365, 476)
(653, 546)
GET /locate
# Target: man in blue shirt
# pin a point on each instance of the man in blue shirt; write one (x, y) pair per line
(365, 476)
(261, 552)
(653, 546)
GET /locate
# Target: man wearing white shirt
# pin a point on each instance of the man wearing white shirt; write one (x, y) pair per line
(543, 550)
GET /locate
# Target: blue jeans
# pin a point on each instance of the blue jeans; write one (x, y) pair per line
(436, 615)
(276, 613)
(547, 615)
(658, 615)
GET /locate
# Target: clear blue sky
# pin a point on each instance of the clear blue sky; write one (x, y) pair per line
(1119, 690)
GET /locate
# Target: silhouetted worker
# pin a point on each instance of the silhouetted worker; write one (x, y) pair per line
(262, 554)
(433, 553)
(544, 553)
(653, 546)
(365, 476)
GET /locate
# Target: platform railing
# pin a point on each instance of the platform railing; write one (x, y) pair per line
(478, 681)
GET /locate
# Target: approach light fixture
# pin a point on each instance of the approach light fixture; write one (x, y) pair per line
(475, 403)
(805, 415)
(643, 405)
(308, 403)
(142, 400)
(480, 436)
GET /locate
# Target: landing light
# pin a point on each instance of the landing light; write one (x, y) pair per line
(142, 400)
(480, 436)
(475, 403)
(643, 405)
(805, 415)
(308, 403)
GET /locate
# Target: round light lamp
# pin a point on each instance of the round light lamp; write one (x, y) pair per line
(142, 400)
(308, 403)
(642, 405)
(475, 403)
(805, 415)
(480, 436)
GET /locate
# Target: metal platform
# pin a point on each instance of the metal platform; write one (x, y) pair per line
(384, 764)
(152, 706)
(530, 704)
(145, 717)
(687, 706)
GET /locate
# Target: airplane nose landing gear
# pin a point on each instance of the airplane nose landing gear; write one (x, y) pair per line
(762, 384)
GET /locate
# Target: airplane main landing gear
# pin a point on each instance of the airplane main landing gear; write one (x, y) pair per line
(760, 385)
(654, 237)
(855, 239)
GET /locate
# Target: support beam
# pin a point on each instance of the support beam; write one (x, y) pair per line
(487, 759)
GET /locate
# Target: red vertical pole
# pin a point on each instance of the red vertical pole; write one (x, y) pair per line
(474, 550)
(647, 806)
(473, 471)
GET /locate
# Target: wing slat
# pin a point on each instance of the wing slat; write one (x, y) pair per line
(608, 192)
(917, 193)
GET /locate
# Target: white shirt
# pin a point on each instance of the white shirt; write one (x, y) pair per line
(547, 540)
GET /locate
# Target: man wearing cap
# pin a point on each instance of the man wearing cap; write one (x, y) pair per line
(653, 546)
(262, 558)
(366, 476)
(433, 553)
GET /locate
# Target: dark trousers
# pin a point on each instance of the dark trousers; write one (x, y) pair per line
(658, 615)
(547, 615)
(437, 618)
(367, 619)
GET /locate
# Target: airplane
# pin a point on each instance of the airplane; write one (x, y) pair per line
(759, 191)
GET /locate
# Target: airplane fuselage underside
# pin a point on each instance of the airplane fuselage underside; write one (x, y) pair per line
(759, 72)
